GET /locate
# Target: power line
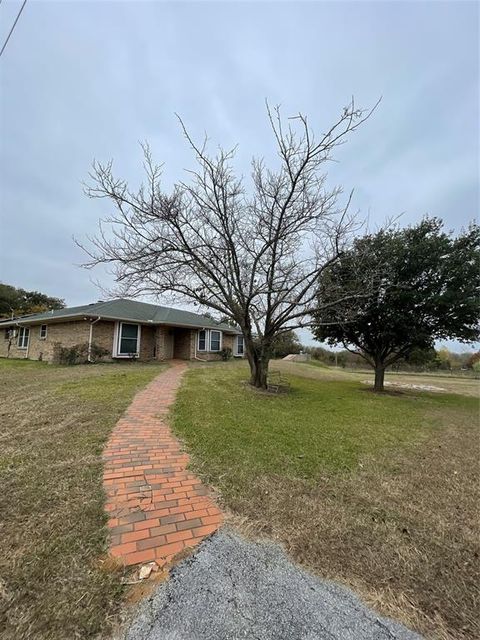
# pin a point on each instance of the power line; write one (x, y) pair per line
(13, 26)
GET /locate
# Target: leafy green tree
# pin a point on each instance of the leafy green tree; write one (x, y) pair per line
(418, 359)
(421, 357)
(321, 354)
(286, 343)
(18, 302)
(472, 360)
(444, 358)
(427, 285)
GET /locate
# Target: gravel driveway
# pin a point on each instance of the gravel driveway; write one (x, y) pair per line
(232, 588)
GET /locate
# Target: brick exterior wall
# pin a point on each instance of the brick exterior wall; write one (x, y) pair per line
(159, 343)
(102, 334)
(147, 343)
(66, 333)
(227, 342)
(14, 351)
(163, 343)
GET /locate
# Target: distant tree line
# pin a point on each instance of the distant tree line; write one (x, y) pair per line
(428, 360)
(16, 302)
(441, 359)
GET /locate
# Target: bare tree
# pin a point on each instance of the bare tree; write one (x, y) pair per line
(253, 257)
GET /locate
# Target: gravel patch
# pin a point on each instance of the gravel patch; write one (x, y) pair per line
(233, 589)
(401, 385)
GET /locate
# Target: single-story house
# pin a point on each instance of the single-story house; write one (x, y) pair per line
(125, 328)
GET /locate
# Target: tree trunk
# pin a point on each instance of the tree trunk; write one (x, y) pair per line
(258, 360)
(259, 374)
(379, 377)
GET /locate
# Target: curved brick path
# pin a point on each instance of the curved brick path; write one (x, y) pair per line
(156, 507)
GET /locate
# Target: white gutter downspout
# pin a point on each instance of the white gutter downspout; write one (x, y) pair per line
(89, 356)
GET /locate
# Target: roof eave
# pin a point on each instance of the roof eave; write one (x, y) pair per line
(40, 320)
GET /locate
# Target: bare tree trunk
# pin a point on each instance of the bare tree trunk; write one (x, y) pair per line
(379, 377)
(258, 361)
(259, 374)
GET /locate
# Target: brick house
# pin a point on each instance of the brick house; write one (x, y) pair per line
(125, 328)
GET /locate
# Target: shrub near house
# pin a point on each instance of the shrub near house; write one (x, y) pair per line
(118, 329)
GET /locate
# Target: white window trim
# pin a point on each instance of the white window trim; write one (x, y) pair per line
(23, 348)
(235, 343)
(208, 341)
(117, 338)
(219, 342)
(46, 332)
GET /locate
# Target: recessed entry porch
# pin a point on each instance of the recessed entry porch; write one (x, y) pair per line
(182, 343)
(183, 340)
(199, 344)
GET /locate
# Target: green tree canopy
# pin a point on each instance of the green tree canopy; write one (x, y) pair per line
(18, 302)
(286, 343)
(473, 359)
(427, 285)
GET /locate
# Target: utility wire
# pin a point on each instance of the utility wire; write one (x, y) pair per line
(13, 26)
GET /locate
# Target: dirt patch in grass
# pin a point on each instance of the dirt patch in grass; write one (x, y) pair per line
(55, 421)
(380, 492)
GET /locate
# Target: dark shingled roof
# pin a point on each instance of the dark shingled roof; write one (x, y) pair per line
(129, 310)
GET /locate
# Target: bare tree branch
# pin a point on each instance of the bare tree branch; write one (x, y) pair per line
(253, 257)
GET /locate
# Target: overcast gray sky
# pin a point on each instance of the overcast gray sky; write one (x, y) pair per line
(84, 80)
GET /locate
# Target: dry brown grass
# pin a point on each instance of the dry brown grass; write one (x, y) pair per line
(401, 531)
(54, 422)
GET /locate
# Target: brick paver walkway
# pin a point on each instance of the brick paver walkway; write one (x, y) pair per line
(156, 507)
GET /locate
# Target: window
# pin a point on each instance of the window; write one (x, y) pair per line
(239, 347)
(128, 339)
(23, 336)
(209, 340)
(7, 334)
(215, 340)
(202, 340)
(43, 331)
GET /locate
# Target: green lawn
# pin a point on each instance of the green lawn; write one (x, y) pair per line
(465, 383)
(378, 491)
(55, 421)
(303, 433)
